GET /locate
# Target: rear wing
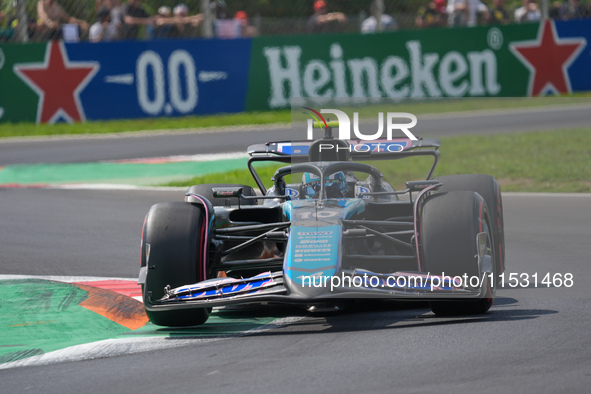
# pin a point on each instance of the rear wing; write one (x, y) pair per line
(383, 149)
(360, 149)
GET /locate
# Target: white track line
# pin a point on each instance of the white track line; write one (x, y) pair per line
(184, 158)
(113, 186)
(65, 279)
(124, 346)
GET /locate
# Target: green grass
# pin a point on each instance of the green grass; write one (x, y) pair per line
(120, 126)
(429, 106)
(450, 105)
(544, 161)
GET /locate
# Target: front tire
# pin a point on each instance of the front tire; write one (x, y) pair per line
(172, 249)
(450, 223)
(488, 187)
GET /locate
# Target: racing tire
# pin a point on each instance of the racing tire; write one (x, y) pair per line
(173, 241)
(205, 191)
(449, 225)
(488, 187)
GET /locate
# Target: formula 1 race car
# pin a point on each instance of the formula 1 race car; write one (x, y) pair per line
(328, 231)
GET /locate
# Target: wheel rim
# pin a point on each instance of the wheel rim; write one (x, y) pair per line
(488, 261)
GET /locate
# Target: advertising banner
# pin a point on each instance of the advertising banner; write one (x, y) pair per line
(57, 81)
(504, 61)
(51, 82)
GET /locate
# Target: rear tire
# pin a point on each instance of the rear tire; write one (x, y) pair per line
(205, 191)
(488, 187)
(449, 225)
(172, 248)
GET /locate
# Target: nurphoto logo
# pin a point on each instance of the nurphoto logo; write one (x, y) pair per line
(344, 124)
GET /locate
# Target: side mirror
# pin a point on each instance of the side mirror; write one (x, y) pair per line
(227, 192)
(417, 186)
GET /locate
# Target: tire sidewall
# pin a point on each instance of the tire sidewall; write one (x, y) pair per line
(173, 251)
(488, 187)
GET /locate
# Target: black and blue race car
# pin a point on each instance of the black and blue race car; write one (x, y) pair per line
(328, 231)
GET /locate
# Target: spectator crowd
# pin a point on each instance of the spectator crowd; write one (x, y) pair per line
(454, 13)
(115, 20)
(126, 21)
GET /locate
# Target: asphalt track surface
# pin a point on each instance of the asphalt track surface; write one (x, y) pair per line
(532, 340)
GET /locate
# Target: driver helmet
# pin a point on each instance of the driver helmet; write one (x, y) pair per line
(335, 184)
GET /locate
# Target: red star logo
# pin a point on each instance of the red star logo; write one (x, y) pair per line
(548, 59)
(58, 81)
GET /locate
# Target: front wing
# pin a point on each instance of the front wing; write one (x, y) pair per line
(357, 284)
